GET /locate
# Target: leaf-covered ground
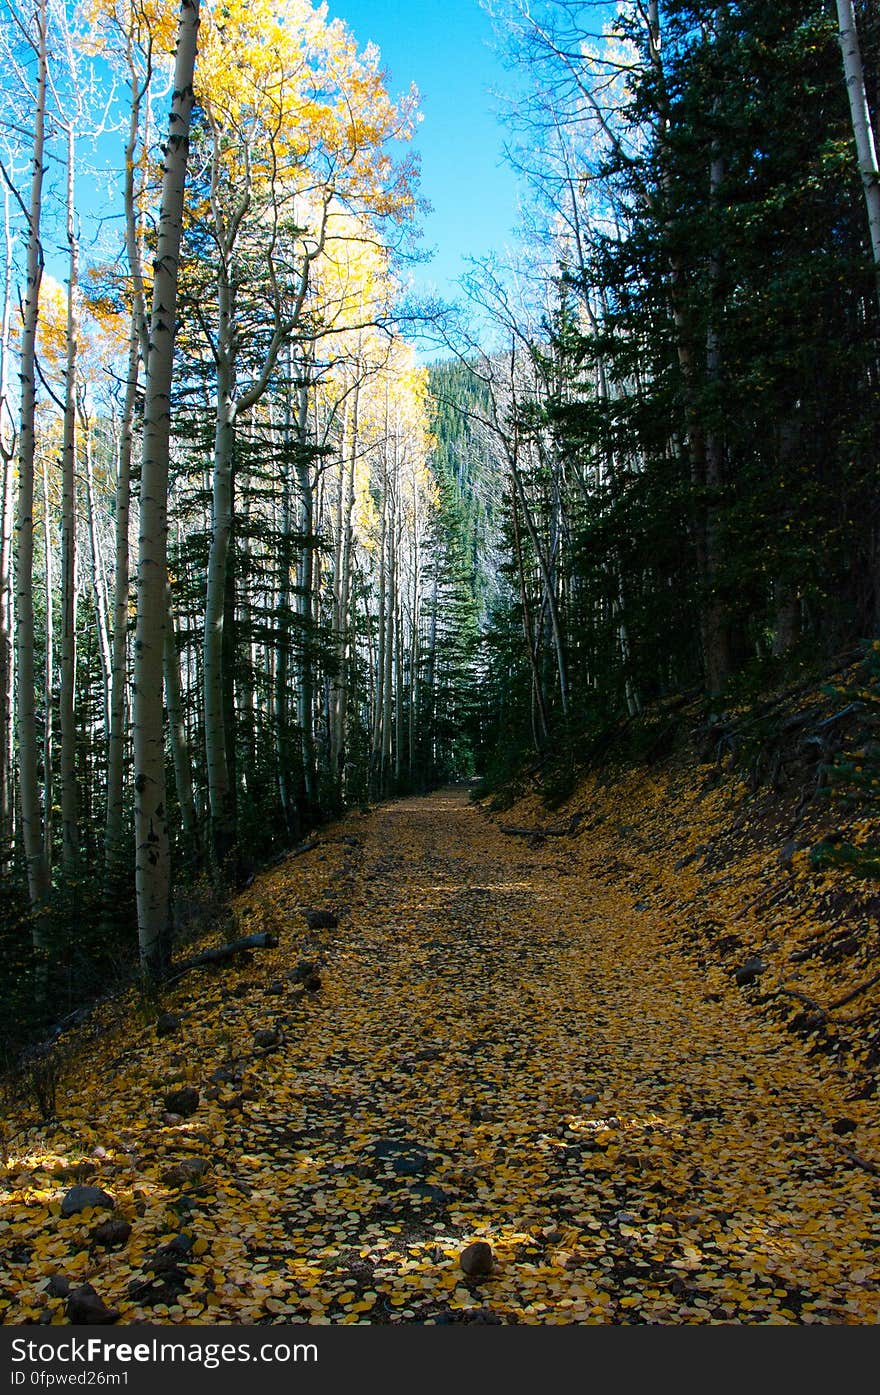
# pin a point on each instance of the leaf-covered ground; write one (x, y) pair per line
(536, 1042)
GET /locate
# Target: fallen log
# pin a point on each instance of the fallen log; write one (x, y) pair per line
(277, 860)
(263, 940)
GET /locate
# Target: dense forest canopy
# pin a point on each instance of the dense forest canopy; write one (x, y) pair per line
(259, 562)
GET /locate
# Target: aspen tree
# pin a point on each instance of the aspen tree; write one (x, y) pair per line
(153, 861)
(863, 129)
(31, 813)
(7, 513)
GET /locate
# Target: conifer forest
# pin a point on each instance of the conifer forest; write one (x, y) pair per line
(474, 694)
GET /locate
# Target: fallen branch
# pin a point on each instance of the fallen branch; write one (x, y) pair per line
(264, 940)
(854, 993)
(802, 998)
(859, 1161)
(838, 1002)
(294, 852)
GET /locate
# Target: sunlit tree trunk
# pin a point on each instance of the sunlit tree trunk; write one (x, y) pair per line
(377, 743)
(180, 753)
(48, 718)
(70, 843)
(31, 814)
(339, 612)
(99, 583)
(7, 506)
(863, 130)
(153, 861)
(113, 834)
(345, 596)
(305, 599)
(138, 350)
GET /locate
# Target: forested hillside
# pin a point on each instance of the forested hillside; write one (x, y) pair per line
(267, 560)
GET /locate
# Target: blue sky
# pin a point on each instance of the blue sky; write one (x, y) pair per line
(445, 48)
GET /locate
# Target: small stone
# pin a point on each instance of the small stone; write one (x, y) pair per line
(787, 852)
(477, 1260)
(80, 1198)
(321, 920)
(189, 1170)
(167, 1023)
(85, 1306)
(58, 1286)
(226, 1075)
(276, 986)
(169, 1256)
(267, 1038)
(184, 1102)
(844, 1126)
(172, 1120)
(304, 969)
(99, 1152)
(113, 1232)
(748, 972)
(312, 983)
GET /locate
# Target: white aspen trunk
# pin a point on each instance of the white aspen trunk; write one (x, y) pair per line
(7, 816)
(70, 849)
(338, 616)
(431, 670)
(281, 697)
(153, 858)
(863, 130)
(345, 592)
(246, 704)
(31, 814)
(99, 584)
(390, 636)
(48, 724)
(415, 603)
(7, 505)
(379, 683)
(177, 729)
(113, 833)
(306, 686)
(138, 349)
(216, 755)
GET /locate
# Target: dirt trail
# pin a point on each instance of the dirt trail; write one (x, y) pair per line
(503, 1049)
